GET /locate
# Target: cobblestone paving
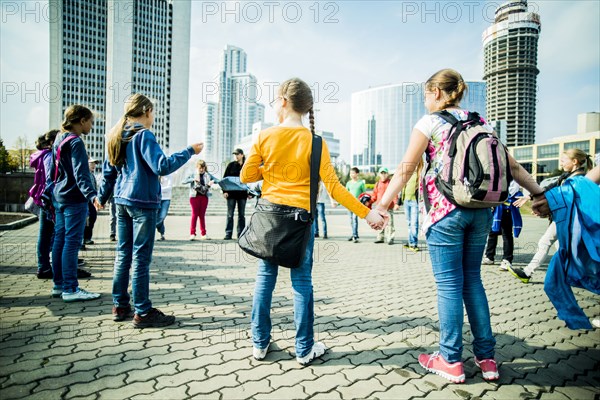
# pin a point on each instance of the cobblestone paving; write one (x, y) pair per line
(375, 309)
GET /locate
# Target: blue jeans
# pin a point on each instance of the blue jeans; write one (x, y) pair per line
(303, 302)
(456, 246)
(44, 243)
(162, 214)
(68, 235)
(136, 230)
(320, 214)
(411, 209)
(354, 224)
(241, 222)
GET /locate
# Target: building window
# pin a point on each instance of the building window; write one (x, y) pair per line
(546, 167)
(582, 145)
(523, 153)
(547, 151)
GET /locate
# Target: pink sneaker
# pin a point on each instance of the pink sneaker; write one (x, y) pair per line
(435, 363)
(488, 368)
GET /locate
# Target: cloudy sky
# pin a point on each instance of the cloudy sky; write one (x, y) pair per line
(340, 48)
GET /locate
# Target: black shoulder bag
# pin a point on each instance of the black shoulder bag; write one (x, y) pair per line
(278, 233)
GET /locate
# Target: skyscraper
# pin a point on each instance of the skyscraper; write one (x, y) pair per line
(237, 106)
(382, 119)
(101, 52)
(510, 47)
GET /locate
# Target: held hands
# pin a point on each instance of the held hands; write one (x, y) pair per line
(377, 220)
(97, 204)
(197, 147)
(226, 195)
(396, 207)
(540, 206)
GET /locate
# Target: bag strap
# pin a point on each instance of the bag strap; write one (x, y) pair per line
(58, 150)
(315, 166)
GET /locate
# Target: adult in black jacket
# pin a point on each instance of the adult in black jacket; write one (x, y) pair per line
(237, 197)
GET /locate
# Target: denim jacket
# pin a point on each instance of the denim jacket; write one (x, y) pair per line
(575, 210)
(137, 182)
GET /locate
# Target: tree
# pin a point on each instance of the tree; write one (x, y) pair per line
(22, 153)
(6, 163)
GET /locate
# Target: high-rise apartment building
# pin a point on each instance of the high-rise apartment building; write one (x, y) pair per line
(103, 51)
(237, 106)
(510, 52)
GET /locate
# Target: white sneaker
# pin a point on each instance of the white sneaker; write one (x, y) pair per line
(260, 354)
(596, 322)
(56, 293)
(203, 237)
(79, 295)
(192, 237)
(504, 265)
(487, 261)
(317, 350)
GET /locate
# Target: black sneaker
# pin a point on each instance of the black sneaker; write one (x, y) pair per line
(325, 237)
(82, 247)
(355, 239)
(47, 274)
(379, 241)
(153, 319)
(113, 238)
(80, 262)
(122, 313)
(519, 274)
(88, 241)
(316, 235)
(82, 273)
(227, 238)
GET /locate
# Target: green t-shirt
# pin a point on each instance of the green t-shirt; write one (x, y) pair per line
(356, 188)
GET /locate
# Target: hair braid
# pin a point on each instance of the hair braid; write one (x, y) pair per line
(311, 120)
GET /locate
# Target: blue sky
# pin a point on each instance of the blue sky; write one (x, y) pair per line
(365, 44)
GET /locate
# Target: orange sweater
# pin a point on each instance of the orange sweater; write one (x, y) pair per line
(281, 157)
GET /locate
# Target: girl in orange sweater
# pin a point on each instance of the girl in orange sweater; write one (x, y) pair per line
(281, 158)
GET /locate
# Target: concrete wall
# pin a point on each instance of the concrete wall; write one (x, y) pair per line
(14, 190)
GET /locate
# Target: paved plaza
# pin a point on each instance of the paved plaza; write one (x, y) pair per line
(375, 309)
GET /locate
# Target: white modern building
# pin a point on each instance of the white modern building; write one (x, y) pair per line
(103, 51)
(510, 71)
(237, 105)
(382, 119)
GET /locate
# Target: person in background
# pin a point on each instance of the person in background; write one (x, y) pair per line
(322, 198)
(507, 219)
(380, 187)
(73, 190)
(573, 162)
(41, 161)
(92, 213)
(410, 201)
(356, 187)
(235, 198)
(200, 183)
(166, 190)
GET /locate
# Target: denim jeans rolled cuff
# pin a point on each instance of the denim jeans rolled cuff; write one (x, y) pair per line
(45, 240)
(68, 236)
(321, 216)
(411, 209)
(162, 215)
(456, 244)
(354, 224)
(136, 232)
(266, 279)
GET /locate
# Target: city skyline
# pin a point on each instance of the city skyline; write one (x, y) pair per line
(349, 56)
(101, 63)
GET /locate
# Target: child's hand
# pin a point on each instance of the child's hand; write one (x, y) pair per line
(197, 147)
(520, 202)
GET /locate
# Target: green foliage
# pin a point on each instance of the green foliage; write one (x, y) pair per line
(7, 163)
